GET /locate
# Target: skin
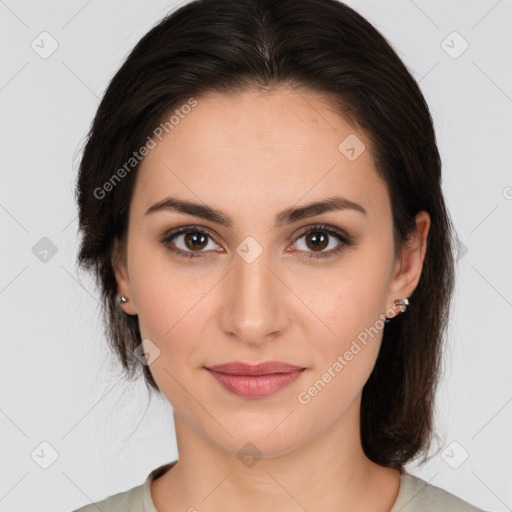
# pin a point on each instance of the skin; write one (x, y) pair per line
(252, 155)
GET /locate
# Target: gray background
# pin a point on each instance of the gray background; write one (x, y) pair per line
(58, 382)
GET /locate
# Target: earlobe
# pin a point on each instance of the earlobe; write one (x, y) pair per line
(118, 262)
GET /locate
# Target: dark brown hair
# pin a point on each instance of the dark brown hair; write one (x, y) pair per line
(314, 45)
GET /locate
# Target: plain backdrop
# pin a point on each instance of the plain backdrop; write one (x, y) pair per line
(72, 429)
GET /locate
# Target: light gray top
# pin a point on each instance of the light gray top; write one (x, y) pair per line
(414, 495)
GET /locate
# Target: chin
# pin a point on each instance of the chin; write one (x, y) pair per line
(264, 439)
(250, 449)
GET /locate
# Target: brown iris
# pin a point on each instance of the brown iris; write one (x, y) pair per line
(195, 240)
(319, 240)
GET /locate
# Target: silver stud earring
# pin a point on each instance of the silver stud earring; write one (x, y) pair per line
(403, 303)
(123, 299)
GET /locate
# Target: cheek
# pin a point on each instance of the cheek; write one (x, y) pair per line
(345, 355)
(171, 316)
(169, 308)
(171, 320)
(349, 316)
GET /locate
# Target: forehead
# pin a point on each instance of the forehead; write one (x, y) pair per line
(261, 149)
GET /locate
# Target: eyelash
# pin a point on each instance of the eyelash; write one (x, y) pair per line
(343, 238)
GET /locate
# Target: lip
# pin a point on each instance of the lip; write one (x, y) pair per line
(255, 380)
(264, 368)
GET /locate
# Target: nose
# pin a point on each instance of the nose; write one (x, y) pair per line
(254, 302)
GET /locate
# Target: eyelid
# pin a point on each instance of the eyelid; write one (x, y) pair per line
(321, 227)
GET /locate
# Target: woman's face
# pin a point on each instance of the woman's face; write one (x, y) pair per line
(257, 288)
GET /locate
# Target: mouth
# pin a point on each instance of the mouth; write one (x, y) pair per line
(255, 380)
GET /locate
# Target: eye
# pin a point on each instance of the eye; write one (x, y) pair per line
(317, 238)
(190, 240)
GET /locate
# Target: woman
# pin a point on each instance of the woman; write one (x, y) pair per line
(260, 201)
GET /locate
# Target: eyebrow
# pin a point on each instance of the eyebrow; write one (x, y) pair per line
(286, 216)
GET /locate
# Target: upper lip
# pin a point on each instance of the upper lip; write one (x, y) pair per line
(265, 368)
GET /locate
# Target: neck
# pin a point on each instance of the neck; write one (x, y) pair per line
(329, 473)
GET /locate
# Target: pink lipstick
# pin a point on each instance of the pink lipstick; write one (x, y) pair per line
(255, 380)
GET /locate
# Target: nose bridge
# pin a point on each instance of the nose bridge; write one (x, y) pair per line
(253, 308)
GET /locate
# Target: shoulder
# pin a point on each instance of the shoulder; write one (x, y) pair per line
(127, 501)
(416, 495)
(136, 499)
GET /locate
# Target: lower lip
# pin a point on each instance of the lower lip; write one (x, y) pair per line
(257, 386)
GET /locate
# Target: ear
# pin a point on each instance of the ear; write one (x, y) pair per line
(120, 267)
(409, 264)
